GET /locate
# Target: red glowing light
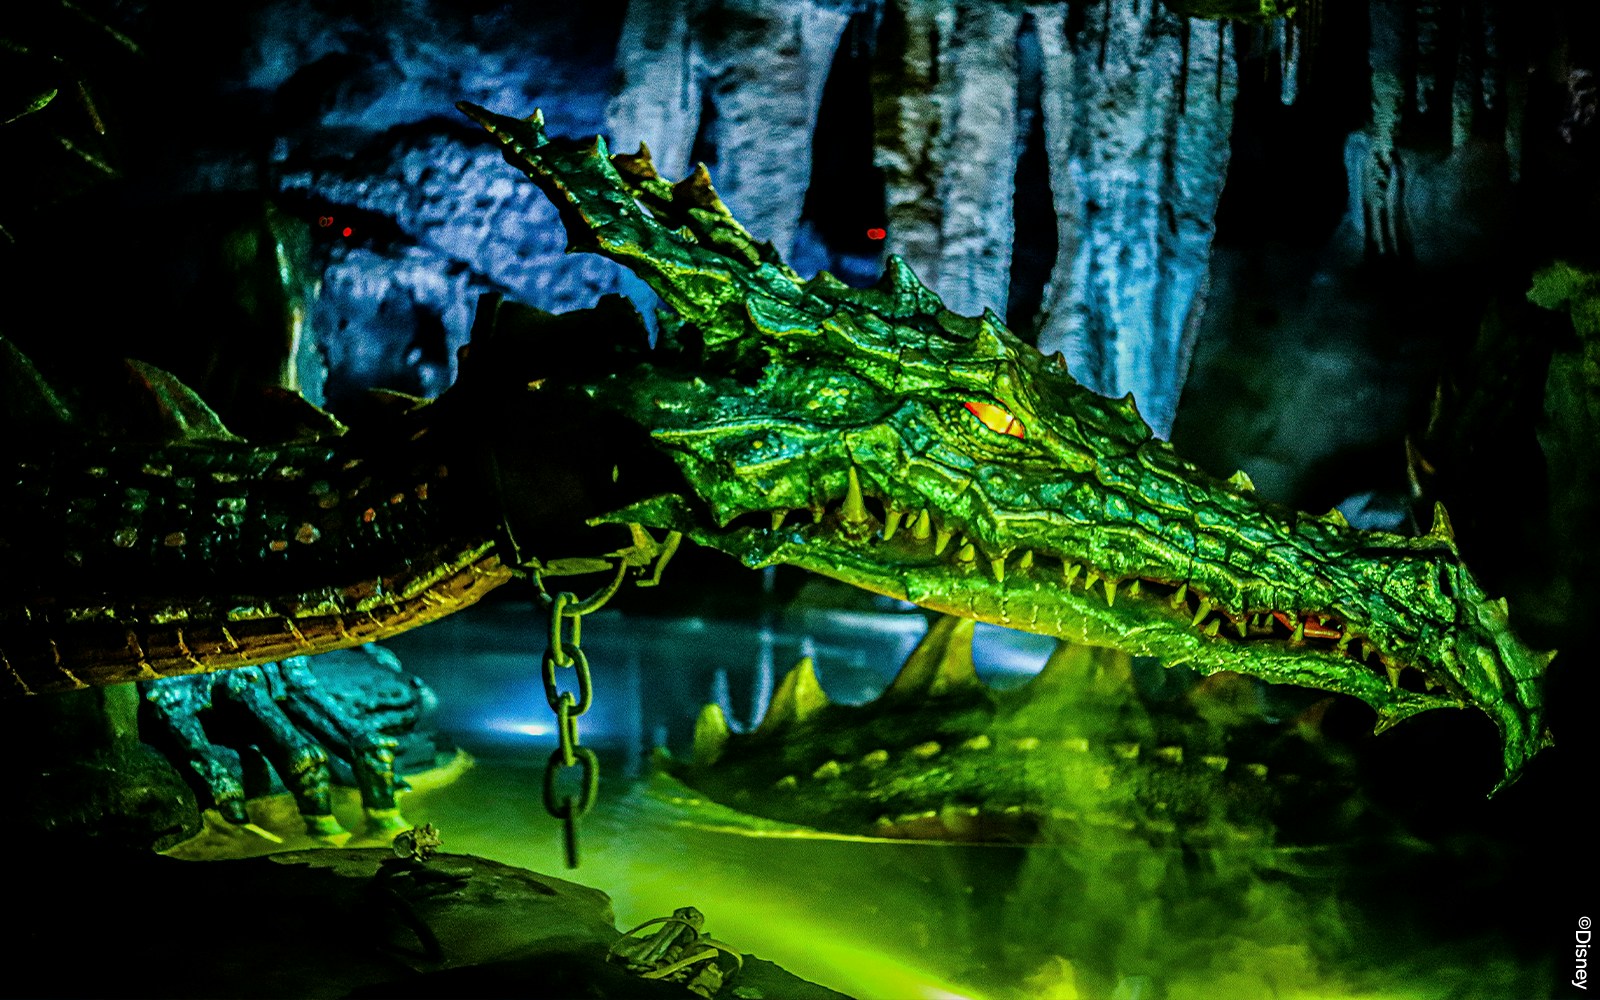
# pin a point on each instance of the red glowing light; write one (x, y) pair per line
(876, 233)
(325, 221)
(348, 230)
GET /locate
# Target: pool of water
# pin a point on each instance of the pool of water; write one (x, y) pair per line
(1099, 917)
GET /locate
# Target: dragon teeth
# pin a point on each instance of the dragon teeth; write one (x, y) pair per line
(998, 566)
(1180, 597)
(923, 529)
(941, 540)
(967, 553)
(854, 510)
(1070, 571)
(1213, 628)
(777, 518)
(1090, 579)
(891, 523)
(1111, 592)
(1026, 562)
(1240, 627)
(1205, 608)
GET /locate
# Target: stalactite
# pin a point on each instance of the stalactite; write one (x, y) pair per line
(1183, 65)
(979, 165)
(1377, 173)
(1135, 171)
(764, 79)
(1222, 43)
(1465, 96)
(1492, 68)
(1106, 36)
(1289, 64)
(1427, 53)
(908, 123)
(1516, 99)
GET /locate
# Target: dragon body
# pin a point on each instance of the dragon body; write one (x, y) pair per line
(866, 434)
(941, 755)
(167, 545)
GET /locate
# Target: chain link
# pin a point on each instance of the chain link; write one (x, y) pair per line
(561, 652)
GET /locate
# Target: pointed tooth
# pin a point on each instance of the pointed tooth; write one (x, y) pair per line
(1091, 578)
(816, 515)
(1180, 597)
(777, 518)
(998, 566)
(1070, 571)
(966, 553)
(923, 529)
(1111, 592)
(1200, 614)
(798, 697)
(854, 510)
(710, 735)
(1393, 671)
(891, 523)
(1429, 684)
(1366, 649)
(1240, 627)
(1336, 517)
(1299, 630)
(941, 540)
(1213, 628)
(1343, 643)
(1026, 562)
(1135, 588)
(1241, 482)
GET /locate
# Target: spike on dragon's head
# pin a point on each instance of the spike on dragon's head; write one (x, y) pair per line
(876, 437)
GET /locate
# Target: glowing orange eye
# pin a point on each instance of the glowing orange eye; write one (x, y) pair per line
(996, 419)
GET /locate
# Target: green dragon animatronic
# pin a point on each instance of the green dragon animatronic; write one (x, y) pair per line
(937, 459)
(932, 457)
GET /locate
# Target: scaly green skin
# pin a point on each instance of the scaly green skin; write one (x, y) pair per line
(774, 394)
(942, 756)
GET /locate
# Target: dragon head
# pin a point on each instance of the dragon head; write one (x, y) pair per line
(873, 436)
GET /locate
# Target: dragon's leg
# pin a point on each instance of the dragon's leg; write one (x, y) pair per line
(371, 754)
(176, 704)
(301, 763)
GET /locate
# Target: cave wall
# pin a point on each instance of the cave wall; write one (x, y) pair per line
(1327, 213)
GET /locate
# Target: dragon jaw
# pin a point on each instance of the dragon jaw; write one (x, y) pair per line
(940, 460)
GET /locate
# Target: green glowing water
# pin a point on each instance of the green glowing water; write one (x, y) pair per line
(899, 920)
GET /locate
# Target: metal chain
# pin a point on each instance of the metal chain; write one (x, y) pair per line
(566, 610)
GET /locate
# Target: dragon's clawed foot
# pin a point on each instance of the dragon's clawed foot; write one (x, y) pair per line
(279, 713)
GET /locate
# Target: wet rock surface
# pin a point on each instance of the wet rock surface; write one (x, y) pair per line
(319, 924)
